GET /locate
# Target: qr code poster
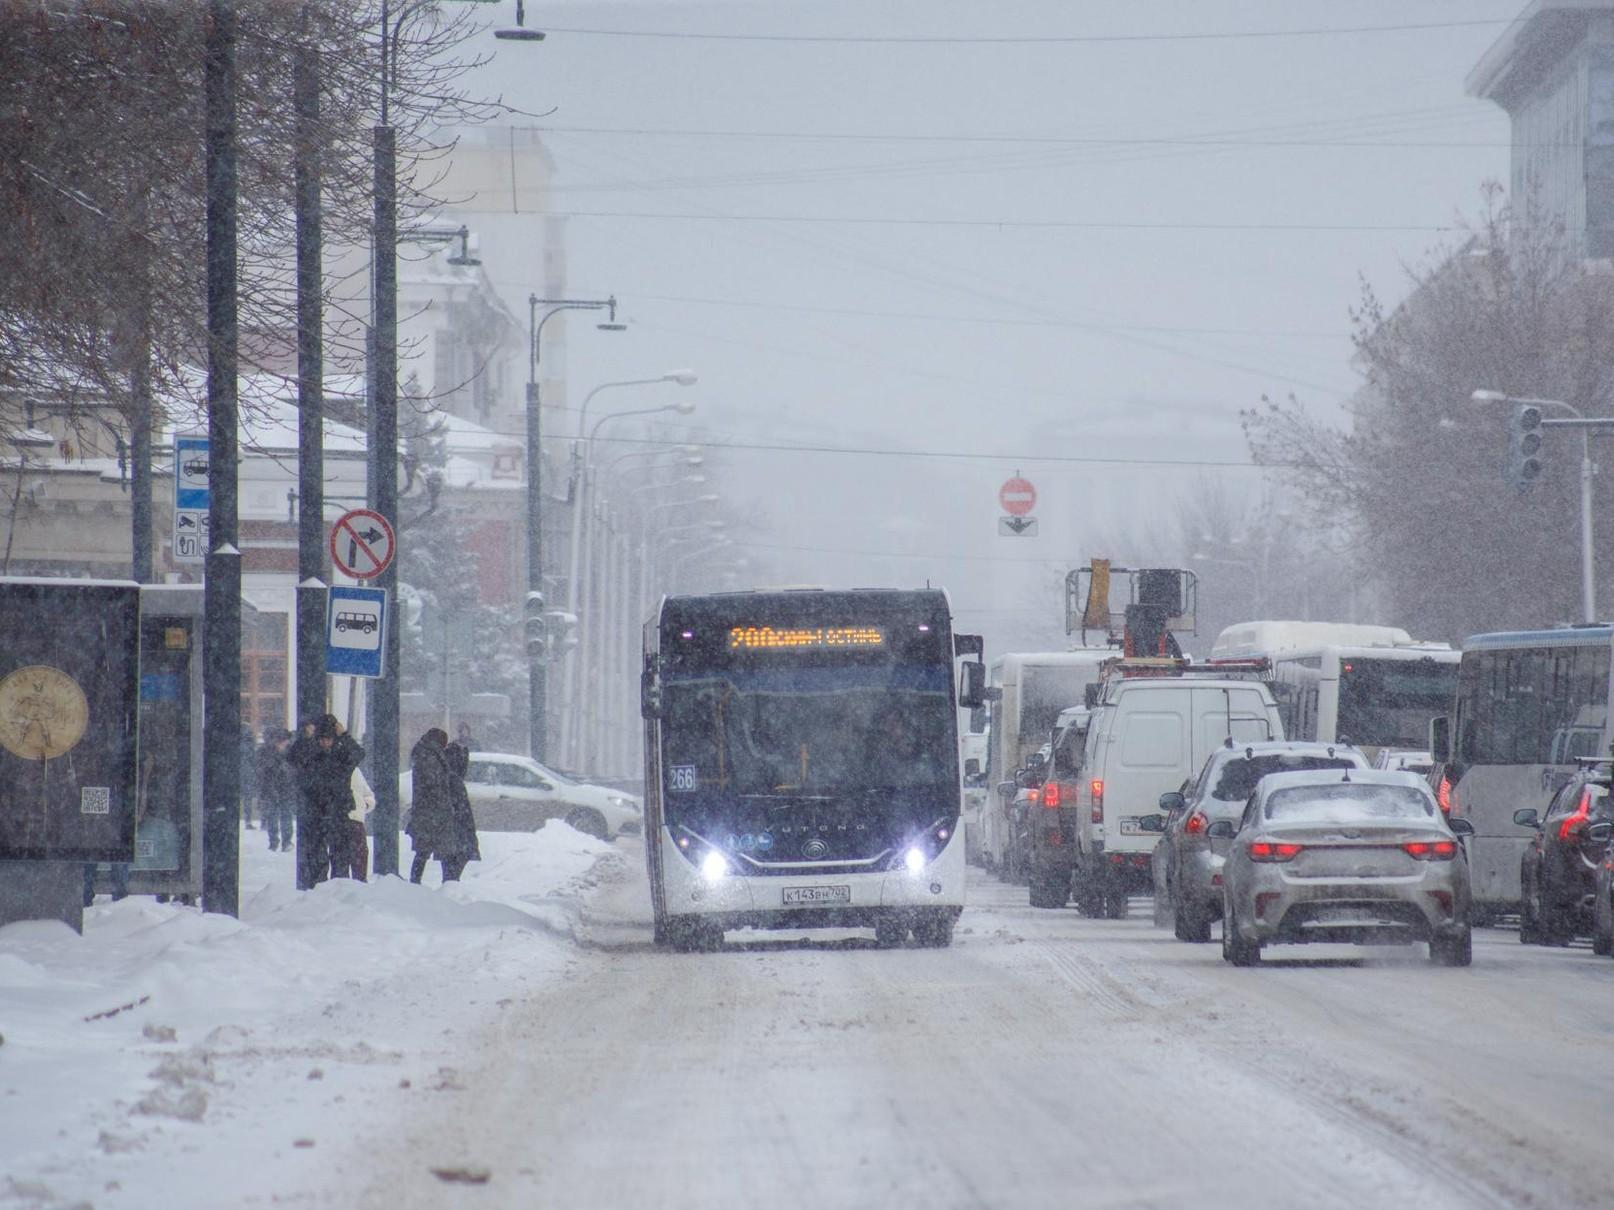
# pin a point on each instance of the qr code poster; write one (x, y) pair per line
(69, 719)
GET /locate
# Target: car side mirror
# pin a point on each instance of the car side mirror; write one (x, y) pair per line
(972, 685)
(649, 695)
(1006, 790)
(1460, 826)
(1222, 829)
(1599, 833)
(1171, 800)
(1526, 817)
(1151, 823)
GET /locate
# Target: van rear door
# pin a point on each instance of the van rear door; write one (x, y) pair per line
(1241, 711)
(1150, 753)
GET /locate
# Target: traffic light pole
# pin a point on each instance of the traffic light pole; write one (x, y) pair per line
(1588, 566)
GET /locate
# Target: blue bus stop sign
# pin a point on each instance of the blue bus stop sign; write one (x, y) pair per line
(355, 625)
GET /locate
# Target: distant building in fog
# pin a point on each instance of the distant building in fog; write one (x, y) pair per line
(1552, 70)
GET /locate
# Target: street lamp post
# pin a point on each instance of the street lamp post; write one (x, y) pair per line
(382, 739)
(1587, 425)
(533, 613)
(582, 569)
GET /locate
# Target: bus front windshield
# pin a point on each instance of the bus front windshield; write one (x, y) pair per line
(821, 732)
(1388, 703)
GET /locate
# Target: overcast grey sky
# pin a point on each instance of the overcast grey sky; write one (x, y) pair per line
(1048, 268)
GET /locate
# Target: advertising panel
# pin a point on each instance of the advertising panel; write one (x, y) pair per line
(69, 701)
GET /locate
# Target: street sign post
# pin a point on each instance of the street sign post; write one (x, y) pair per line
(362, 544)
(355, 632)
(190, 498)
(1018, 497)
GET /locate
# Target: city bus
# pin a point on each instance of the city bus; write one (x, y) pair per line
(1528, 705)
(801, 763)
(1371, 686)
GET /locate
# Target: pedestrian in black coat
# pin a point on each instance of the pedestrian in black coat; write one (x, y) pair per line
(432, 827)
(324, 757)
(462, 833)
(278, 792)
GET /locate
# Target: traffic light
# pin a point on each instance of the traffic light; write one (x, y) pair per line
(1524, 446)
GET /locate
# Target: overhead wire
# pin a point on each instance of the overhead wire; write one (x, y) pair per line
(1026, 39)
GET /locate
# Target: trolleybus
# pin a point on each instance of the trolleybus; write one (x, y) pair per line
(801, 763)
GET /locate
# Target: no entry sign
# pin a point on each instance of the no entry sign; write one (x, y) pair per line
(362, 544)
(1017, 496)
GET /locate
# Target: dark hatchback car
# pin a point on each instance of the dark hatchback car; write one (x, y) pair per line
(1558, 873)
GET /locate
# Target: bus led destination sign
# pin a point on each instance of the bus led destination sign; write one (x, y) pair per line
(805, 638)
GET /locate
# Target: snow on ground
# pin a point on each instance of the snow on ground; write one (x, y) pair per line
(167, 1055)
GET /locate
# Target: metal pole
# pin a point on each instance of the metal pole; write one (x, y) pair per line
(1588, 573)
(310, 627)
(537, 653)
(382, 745)
(221, 744)
(140, 450)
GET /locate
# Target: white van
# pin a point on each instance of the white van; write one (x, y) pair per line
(1149, 735)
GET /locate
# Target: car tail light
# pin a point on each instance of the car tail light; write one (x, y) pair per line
(1097, 788)
(1263, 900)
(1442, 900)
(1196, 823)
(1054, 837)
(1572, 824)
(1050, 794)
(1430, 850)
(1272, 850)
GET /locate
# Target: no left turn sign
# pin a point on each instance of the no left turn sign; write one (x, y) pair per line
(362, 544)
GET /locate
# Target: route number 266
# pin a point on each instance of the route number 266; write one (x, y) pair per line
(682, 778)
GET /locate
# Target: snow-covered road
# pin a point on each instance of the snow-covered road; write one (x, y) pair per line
(515, 1042)
(1045, 1060)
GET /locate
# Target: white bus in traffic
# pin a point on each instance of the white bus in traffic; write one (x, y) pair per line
(1371, 686)
(1528, 705)
(801, 763)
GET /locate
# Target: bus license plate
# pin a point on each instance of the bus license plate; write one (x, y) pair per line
(812, 896)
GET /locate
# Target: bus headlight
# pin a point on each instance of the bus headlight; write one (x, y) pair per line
(714, 866)
(919, 851)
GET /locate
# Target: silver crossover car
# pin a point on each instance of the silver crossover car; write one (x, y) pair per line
(1187, 863)
(1359, 856)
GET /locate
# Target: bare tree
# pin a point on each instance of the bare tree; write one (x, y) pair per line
(1410, 473)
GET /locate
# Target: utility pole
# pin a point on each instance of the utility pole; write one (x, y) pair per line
(310, 392)
(382, 740)
(221, 634)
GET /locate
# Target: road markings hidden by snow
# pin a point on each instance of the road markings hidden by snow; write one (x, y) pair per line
(166, 1056)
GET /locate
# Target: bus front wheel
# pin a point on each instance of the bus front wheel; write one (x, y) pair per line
(936, 932)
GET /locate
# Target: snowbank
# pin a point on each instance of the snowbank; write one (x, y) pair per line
(166, 1054)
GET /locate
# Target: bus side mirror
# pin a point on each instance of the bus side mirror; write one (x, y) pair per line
(1440, 738)
(972, 685)
(649, 695)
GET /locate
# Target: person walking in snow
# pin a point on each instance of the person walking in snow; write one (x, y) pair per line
(431, 811)
(277, 791)
(462, 832)
(324, 756)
